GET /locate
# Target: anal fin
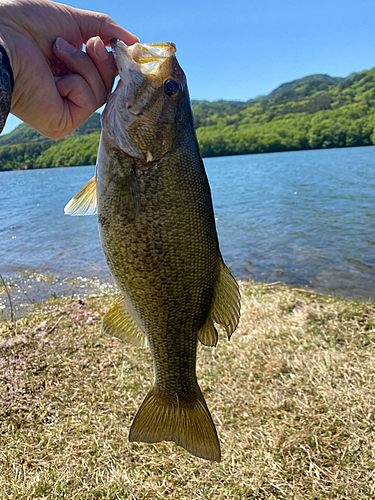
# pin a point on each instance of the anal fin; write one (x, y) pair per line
(119, 323)
(225, 308)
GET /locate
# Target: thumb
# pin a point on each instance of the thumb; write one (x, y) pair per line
(93, 24)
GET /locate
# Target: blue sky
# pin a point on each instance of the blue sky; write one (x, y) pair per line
(240, 49)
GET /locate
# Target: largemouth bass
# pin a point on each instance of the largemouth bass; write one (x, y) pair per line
(158, 234)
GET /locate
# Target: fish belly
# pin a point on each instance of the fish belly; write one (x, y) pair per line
(159, 239)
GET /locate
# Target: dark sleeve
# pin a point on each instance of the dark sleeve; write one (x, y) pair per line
(6, 86)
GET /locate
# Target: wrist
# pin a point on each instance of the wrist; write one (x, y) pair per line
(5, 59)
(6, 64)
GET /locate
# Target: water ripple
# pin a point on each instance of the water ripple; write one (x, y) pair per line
(305, 218)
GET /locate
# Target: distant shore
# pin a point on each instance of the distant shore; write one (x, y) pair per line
(277, 149)
(314, 112)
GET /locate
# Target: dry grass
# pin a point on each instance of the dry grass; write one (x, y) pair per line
(292, 395)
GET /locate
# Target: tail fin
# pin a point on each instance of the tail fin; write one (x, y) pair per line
(187, 422)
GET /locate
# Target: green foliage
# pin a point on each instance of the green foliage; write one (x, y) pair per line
(21, 156)
(22, 134)
(91, 125)
(24, 148)
(313, 112)
(317, 111)
(73, 151)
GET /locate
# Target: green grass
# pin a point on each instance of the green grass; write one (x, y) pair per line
(292, 395)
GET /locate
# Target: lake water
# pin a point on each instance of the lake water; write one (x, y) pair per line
(306, 218)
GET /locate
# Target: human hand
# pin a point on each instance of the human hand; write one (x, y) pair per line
(56, 85)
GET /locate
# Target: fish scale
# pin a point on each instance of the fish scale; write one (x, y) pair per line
(158, 234)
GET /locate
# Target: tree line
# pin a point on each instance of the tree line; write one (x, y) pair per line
(313, 112)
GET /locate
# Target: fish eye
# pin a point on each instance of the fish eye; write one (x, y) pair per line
(171, 87)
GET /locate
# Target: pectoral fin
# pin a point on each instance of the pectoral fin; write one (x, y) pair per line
(119, 323)
(84, 202)
(225, 309)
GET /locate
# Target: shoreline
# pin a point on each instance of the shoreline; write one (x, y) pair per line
(224, 155)
(26, 290)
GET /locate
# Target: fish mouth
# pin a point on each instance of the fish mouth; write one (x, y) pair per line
(145, 58)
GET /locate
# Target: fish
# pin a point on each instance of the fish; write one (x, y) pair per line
(157, 230)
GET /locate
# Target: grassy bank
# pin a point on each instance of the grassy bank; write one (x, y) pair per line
(292, 395)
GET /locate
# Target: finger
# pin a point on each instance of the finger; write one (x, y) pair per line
(79, 101)
(93, 24)
(103, 61)
(79, 63)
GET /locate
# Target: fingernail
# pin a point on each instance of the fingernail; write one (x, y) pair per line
(63, 46)
(100, 50)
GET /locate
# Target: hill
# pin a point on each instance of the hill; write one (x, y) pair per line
(24, 134)
(313, 112)
(309, 113)
(311, 82)
(24, 148)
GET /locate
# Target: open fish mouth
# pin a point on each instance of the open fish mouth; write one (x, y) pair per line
(145, 58)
